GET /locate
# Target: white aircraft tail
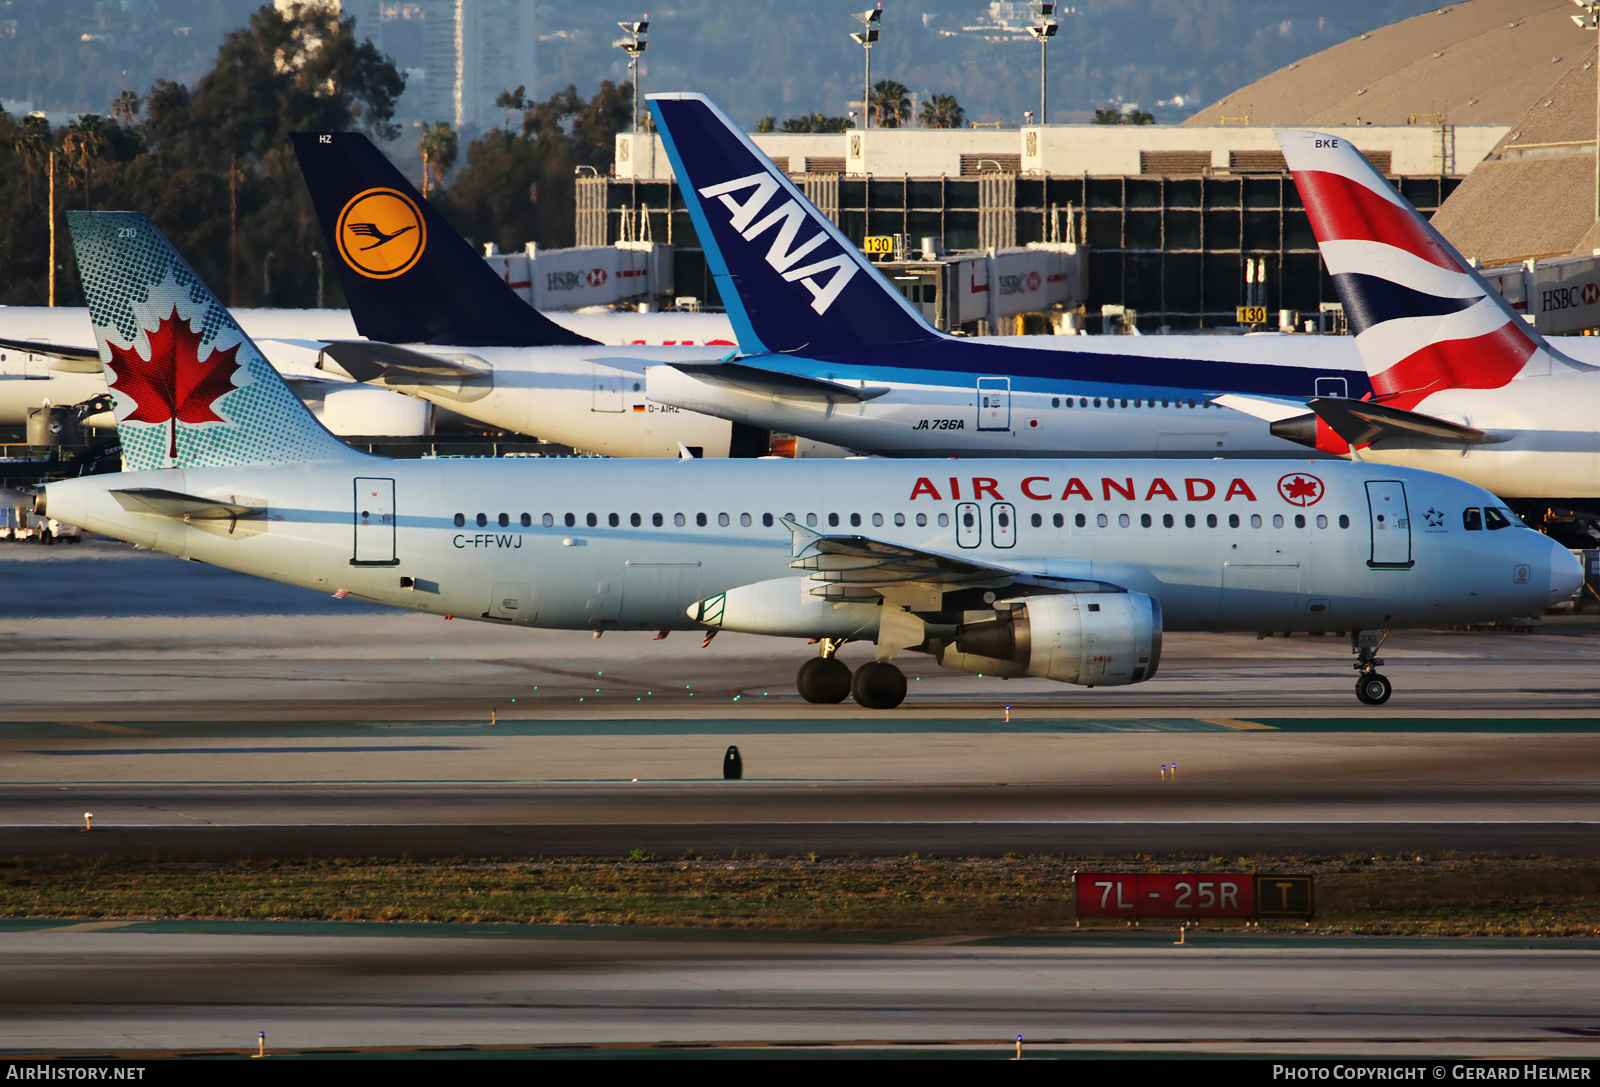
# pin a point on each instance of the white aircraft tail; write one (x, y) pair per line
(191, 390)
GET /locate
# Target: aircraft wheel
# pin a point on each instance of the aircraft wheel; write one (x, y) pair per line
(824, 680)
(1374, 689)
(879, 686)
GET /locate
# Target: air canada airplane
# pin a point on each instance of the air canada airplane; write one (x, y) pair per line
(1461, 383)
(830, 351)
(1062, 571)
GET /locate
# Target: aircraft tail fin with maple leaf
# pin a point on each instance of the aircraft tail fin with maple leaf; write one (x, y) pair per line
(191, 390)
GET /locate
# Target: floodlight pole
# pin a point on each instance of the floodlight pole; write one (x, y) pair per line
(634, 45)
(870, 21)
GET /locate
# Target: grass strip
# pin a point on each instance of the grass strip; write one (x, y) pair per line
(1438, 895)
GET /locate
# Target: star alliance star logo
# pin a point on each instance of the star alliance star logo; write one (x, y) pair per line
(1435, 518)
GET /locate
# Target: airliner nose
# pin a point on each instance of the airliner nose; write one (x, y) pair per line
(1566, 573)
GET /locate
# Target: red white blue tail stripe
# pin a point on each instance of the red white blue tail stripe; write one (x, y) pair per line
(1424, 320)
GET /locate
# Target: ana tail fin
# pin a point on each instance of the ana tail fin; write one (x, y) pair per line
(409, 276)
(191, 390)
(1423, 318)
(789, 279)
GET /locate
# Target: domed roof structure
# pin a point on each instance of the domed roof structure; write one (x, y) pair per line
(1480, 62)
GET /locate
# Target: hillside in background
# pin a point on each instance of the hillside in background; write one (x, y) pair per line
(756, 59)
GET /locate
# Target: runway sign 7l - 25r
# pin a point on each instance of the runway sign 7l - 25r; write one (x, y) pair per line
(1165, 894)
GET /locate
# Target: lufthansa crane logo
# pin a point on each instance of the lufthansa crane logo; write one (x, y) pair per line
(381, 233)
(1301, 489)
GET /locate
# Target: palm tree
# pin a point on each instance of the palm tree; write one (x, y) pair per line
(126, 107)
(942, 111)
(82, 146)
(438, 148)
(890, 104)
(33, 143)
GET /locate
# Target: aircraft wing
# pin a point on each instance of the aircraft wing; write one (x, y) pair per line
(754, 379)
(1362, 422)
(183, 507)
(69, 360)
(862, 568)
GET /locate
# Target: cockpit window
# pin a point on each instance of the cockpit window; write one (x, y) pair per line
(1472, 519)
(1496, 518)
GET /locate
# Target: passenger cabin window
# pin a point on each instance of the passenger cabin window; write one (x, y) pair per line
(1059, 521)
(700, 520)
(922, 520)
(766, 520)
(461, 519)
(483, 519)
(504, 519)
(722, 519)
(1495, 518)
(635, 520)
(944, 520)
(548, 520)
(591, 520)
(1472, 519)
(656, 519)
(527, 520)
(1038, 520)
(899, 519)
(570, 520)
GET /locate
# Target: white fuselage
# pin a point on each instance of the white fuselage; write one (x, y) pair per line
(609, 545)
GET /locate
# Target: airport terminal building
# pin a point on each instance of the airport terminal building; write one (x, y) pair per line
(1178, 226)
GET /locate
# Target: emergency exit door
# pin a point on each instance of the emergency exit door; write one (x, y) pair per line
(375, 523)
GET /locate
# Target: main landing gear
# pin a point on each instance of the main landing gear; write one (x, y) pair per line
(877, 685)
(1372, 688)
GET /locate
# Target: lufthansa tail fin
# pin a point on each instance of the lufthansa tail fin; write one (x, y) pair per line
(409, 277)
(1423, 318)
(191, 390)
(789, 279)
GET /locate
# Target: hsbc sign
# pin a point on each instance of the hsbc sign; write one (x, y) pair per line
(1555, 299)
(1561, 295)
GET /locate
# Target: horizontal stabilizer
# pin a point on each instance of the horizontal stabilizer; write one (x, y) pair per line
(69, 360)
(1362, 422)
(183, 507)
(369, 360)
(753, 379)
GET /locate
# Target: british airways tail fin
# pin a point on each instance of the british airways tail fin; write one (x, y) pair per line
(409, 277)
(191, 390)
(789, 279)
(1423, 318)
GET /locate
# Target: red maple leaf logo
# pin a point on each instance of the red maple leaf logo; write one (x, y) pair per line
(173, 386)
(1301, 489)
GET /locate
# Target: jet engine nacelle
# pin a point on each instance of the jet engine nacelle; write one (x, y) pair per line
(1091, 639)
(366, 409)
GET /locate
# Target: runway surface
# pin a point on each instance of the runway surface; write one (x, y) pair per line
(199, 714)
(196, 987)
(213, 822)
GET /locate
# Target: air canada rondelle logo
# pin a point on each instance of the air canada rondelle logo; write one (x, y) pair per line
(1300, 489)
(381, 233)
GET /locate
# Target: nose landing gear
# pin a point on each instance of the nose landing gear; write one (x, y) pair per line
(1372, 688)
